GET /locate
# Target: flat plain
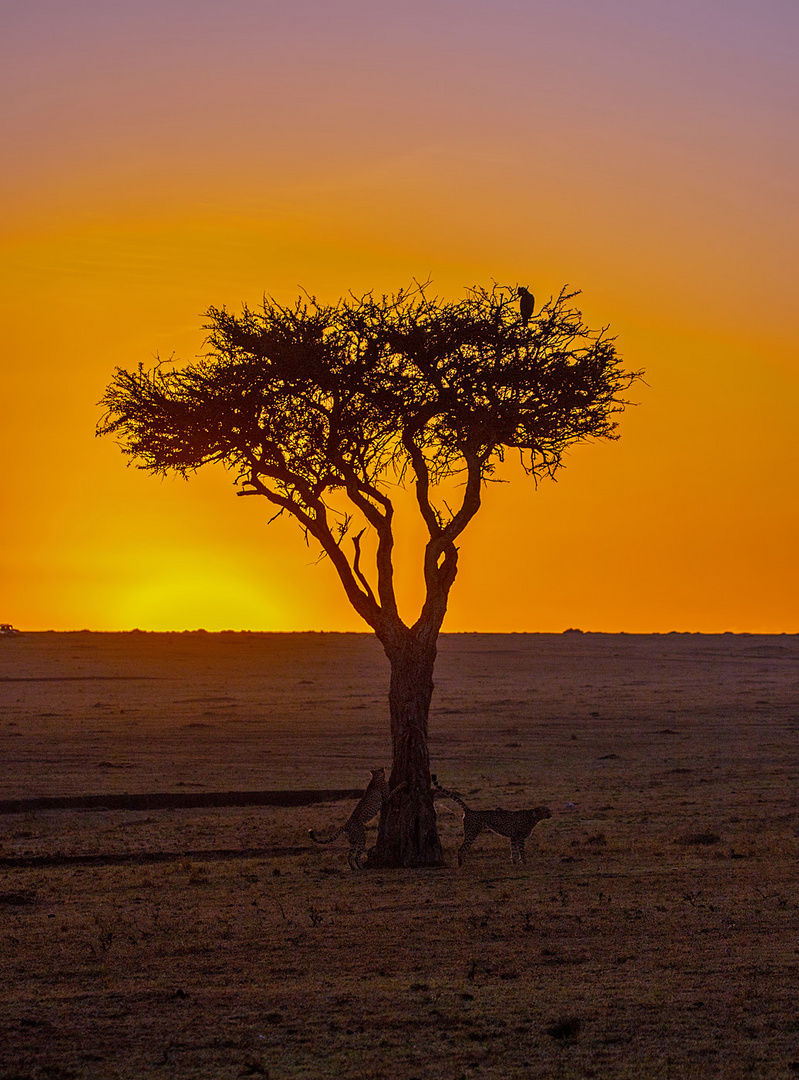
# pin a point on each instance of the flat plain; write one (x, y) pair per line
(653, 932)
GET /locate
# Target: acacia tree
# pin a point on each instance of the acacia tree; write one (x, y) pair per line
(319, 406)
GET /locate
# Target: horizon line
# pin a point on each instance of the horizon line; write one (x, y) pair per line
(17, 632)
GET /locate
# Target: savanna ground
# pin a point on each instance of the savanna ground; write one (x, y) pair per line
(654, 931)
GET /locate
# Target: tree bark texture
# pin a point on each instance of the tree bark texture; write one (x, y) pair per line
(408, 833)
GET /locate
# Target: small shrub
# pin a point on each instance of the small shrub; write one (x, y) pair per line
(568, 1027)
(315, 915)
(598, 839)
(698, 838)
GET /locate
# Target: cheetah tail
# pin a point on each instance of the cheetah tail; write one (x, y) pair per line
(451, 794)
(330, 839)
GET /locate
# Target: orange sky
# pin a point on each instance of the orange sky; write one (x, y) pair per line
(645, 152)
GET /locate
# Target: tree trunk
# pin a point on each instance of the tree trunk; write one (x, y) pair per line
(408, 835)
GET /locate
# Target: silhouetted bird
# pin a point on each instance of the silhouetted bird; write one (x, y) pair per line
(526, 304)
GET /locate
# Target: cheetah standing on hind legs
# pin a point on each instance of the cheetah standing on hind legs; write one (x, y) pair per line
(515, 824)
(375, 797)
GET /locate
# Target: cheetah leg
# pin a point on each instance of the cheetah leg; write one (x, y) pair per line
(468, 839)
(357, 838)
(517, 850)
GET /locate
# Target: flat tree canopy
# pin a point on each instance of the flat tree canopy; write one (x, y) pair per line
(311, 402)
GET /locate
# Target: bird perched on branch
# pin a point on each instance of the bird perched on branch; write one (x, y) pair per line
(526, 304)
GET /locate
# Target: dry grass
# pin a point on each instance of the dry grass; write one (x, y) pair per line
(631, 945)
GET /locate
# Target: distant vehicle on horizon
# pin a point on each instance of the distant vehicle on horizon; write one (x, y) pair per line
(7, 630)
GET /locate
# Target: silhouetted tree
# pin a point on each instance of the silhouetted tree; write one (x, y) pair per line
(312, 402)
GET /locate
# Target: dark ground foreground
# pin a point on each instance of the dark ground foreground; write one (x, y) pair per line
(654, 931)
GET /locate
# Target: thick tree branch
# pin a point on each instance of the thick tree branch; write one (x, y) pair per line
(356, 566)
(471, 498)
(441, 555)
(361, 495)
(422, 484)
